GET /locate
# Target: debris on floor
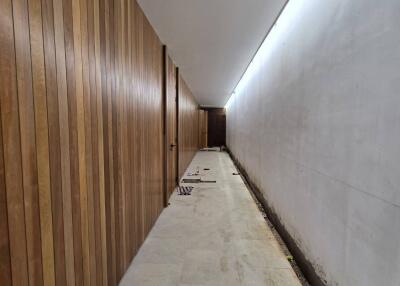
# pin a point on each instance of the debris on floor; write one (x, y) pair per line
(211, 149)
(193, 174)
(236, 174)
(206, 169)
(207, 241)
(185, 190)
(197, 173)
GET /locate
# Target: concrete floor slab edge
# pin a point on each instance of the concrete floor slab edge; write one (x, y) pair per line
(306, 267)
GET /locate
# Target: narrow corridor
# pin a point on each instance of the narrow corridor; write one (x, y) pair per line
(215, 236)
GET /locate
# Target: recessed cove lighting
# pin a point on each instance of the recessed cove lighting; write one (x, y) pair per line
(230, 100)
(281, 25)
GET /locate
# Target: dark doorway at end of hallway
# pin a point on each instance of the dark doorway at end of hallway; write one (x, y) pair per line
(216, 126)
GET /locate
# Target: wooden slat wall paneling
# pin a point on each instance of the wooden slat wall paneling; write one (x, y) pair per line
(139, 122)
(76, 15)
(73, 138)
(5, 263)
(170, 125)
(203, 128)
(85, 144)
(28, 144)
(134, 132)
(129, 151)
(42, 144)
(109, 10)
(99, 89)
(59, 173)
(178, 145)
(117, 149)
(164, 126)
(12, 147)
(188, 126)
(81, 138)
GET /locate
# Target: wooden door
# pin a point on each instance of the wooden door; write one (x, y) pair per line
(216, 127)
(171, 124)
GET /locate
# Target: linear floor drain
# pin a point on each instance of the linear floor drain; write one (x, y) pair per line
(185, 190)
(191, 181)
(208, 181)
(197, 181)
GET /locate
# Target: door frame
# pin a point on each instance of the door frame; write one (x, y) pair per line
(165, 143)
(164, 125)
(177, 75)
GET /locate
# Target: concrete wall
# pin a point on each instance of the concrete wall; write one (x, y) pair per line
(316, 124)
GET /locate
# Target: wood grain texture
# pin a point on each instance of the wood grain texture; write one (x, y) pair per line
(203, 128)
(81, 138)
(171, 120)
(188, 126)
(5, 263)
(42, 141)
(12, 147)
(28, 143)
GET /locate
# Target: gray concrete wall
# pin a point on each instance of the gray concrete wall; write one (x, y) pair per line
(316, 124)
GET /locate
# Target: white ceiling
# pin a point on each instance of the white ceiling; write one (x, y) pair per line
(212, 41)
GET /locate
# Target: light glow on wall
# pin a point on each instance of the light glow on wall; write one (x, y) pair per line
(280, 28)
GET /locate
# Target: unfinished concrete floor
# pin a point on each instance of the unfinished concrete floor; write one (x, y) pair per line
(216, 236)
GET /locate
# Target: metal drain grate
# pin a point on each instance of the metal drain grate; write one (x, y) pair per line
(185, 190)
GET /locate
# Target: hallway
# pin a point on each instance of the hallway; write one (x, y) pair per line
(106, 105)
(215, 236)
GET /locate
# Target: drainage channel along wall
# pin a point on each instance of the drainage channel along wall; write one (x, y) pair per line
(316, 125)
(188, 119)
(81, 139)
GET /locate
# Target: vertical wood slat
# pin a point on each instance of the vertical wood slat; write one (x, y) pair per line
(55, 167)
(188, 126)
(59, 142)
(103, 246)
(203, 122)
(73, 138)
(5, 263)
(117, 149)
(42, 143)
(82, 127)
(28, 144)
(12, 148)
(77, 35)
(171, 116)
(87, 87)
